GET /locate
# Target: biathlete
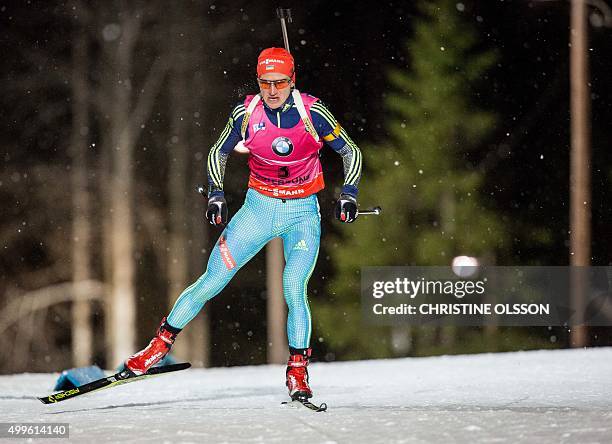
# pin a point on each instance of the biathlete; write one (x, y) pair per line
(283, 131)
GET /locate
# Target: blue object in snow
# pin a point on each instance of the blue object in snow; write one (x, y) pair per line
(75, 377)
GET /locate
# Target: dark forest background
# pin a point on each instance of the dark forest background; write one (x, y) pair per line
(159, 79)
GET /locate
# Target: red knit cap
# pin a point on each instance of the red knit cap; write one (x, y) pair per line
(277, 60)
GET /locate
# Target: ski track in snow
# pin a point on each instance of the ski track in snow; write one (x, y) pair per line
(561, 396)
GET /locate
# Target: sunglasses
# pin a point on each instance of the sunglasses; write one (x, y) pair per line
(279, 84)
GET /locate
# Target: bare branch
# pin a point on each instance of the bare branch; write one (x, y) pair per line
(45, 297)
(131, 25)
(148, 93)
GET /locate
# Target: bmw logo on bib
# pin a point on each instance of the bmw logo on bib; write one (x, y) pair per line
(282, 146)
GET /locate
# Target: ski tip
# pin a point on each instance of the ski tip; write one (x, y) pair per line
(49, 399)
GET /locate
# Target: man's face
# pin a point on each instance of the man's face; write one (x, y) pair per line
(275, 94)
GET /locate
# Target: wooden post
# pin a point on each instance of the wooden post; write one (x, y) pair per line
(580, 168)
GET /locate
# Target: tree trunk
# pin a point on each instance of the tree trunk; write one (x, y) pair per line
(104, 169)
(198, 226)
(82, 336)
(179, 147)
(122, 304)
(126, 113)
(580, 170)
(446, 335)
(123, 300)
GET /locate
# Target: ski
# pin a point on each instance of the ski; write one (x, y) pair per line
(120, 378)
(306, 403)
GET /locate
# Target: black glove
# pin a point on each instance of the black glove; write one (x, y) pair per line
(216, 214)
(346, 208)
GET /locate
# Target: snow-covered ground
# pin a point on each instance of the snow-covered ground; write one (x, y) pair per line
(539, 397)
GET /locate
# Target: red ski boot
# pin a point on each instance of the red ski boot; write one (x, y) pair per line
(297, 374)
(159, 347)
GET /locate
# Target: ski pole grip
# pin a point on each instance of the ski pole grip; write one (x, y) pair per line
(200, 189)
(284, 14)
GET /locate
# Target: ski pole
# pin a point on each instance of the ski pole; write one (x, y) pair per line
(370, 212)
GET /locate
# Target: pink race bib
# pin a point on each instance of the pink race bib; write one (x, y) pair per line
(284, 162)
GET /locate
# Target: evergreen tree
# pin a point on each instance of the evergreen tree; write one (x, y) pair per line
(421, 175)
